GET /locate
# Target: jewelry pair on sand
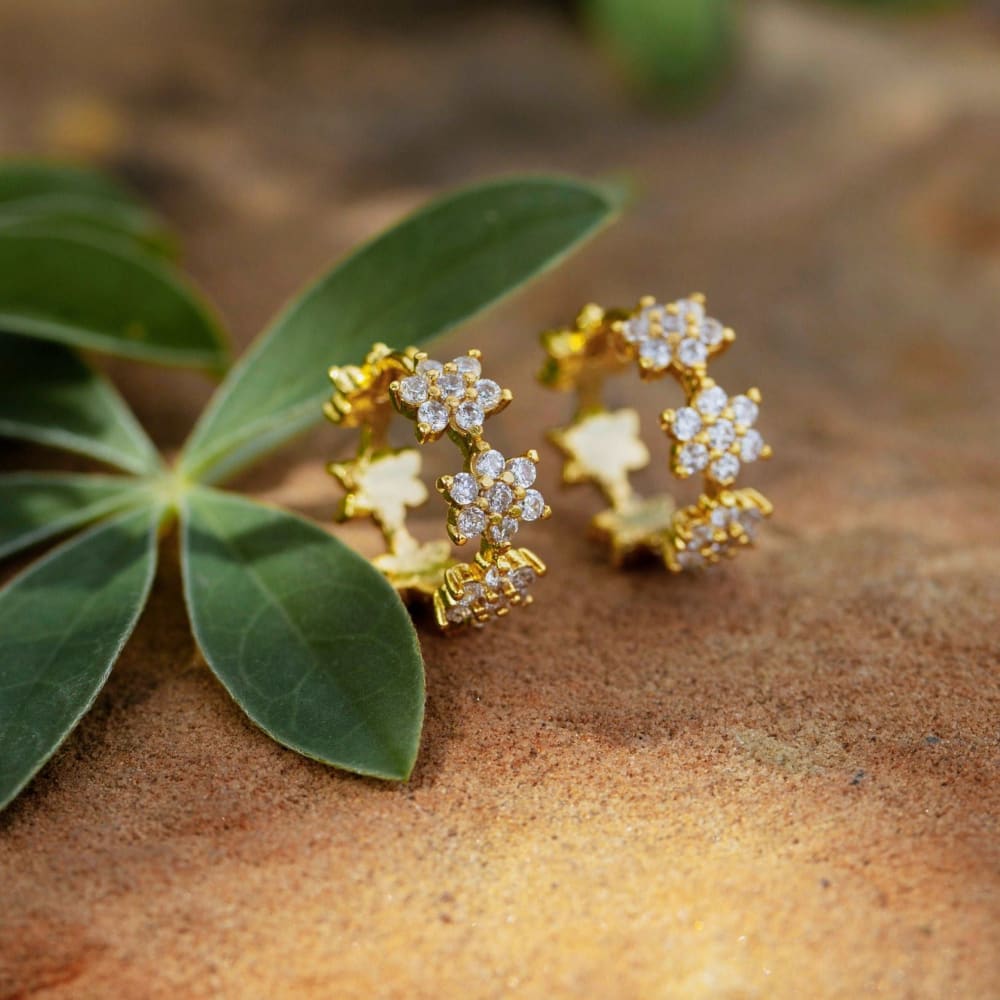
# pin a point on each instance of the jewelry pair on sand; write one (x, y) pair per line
(493, 496)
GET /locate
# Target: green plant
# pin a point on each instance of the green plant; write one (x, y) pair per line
(305, 635)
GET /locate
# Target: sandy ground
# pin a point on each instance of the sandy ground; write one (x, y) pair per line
(779, 780)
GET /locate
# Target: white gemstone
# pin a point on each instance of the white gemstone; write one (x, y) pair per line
(434, 414)
(725, 469)
(751, 446)
(721, 516)
(488, 393)
(469, 415)
(690, 559)
(470, 521)
(489, 463)
(503, 532)
(687, 423)
(688, 307)
(413, 390)
(467, 365)
(711, 402)
(471, 591)
(499, 497)
(493, 579)
(532, 506)
(711, 332)
(428, 365)
(637, 328)
(522, 471)
(701, 535)
(656, 352)
(744, 410)
(691, 352)
(693, 457)
(750, 520)
(672, 322)
(522, 578)
(464, 488)
(721, 435)
(452, 386)
(457, 614)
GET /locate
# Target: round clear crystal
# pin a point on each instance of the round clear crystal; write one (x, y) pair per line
(493, 579)
(434, 414)
(711, 402)
(452, 386)
(522, 471)
(469, 415)
(464, 488)
(711, 332)
(499, 497)
(687, 423)
(488, 393)
(457, 614)
(693, 457)
(750, 520)
(691, 352)
(672, 322)
(532, 506)
(467, 365)
(656, 352)
(522, 578)
(721, 435)
(721, 516)
(413, 390)
(701, 535)
(470, 521)
(489, 463)
(637, 328)
(744, 410)
(751, 446)
(725, 469)
(428, 365)
(471, 591)
(688, 307)
(503, 532)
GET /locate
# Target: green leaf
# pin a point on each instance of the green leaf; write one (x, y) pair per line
(305, 634)
(90, 218)
(90, 294)
(39, 505)
(33, 179)
(48, 395)
(419, 279)
(63, 623)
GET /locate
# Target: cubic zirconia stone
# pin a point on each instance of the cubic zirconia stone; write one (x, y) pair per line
(725, 469)
(637, 328)
(464, 488)
(672, 322)
(522, 470)
(750, 520)
(469, 415)
(428, 365)
(691, 352)
(499, 497)
(721, 516)
(721, 435)
(489, 463)
(503, 532)
(688, 307)
(711, 402)
(687, 423)
(656, 352)
(434, 414)
(712, 332)
(693, 457)
(522, 578)
(532, 506)
(452, 386)
(467, 365)
(470, 521)
(701, 535)
(471, 591)
(457, 614)
(745, 410)
(413, 390)
(487, 393)
(751, 446)
(493, 579)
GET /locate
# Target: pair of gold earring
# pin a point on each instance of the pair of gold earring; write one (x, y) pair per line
(493, 496)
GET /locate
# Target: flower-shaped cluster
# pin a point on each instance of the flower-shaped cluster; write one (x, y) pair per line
(440, 395)
(715, 434)
(473, 593)
(713, 528)
(678, 335)
(492, 497)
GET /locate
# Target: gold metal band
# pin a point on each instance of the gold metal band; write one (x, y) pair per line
(713, 433)
(489, 499)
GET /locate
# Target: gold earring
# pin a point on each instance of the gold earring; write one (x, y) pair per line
(489, 499)
(713, 433)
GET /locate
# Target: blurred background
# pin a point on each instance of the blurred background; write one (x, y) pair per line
(662, 788)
